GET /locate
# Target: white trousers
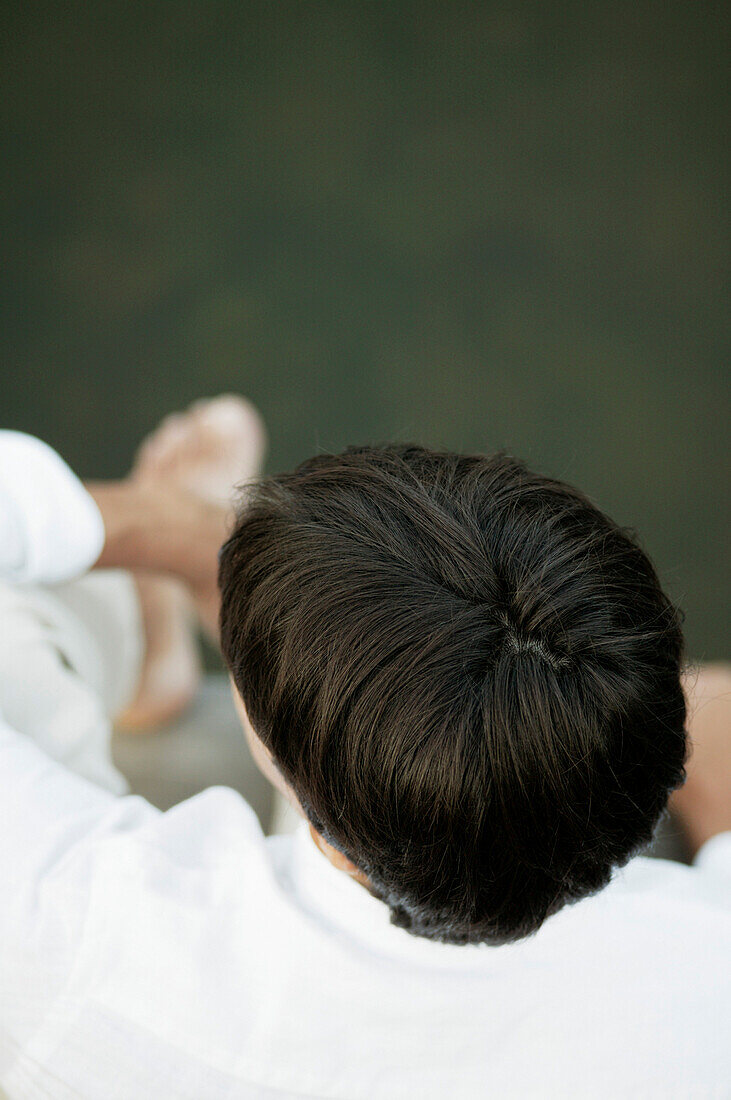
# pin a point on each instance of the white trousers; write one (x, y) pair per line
(70, 660)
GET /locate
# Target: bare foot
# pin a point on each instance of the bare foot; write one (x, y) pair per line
(208, 450)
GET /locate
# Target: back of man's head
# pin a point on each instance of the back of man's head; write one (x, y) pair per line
(467, 673)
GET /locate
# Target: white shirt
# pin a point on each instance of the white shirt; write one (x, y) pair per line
(174, 955)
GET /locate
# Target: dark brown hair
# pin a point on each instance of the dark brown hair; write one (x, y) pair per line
(469, 675)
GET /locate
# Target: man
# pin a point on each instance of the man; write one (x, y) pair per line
(469, 682)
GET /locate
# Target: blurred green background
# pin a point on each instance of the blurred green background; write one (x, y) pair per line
(468, 224)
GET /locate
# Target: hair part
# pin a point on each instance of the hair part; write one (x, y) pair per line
(469, 675)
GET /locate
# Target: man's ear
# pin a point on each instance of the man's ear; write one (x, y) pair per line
(338, 860)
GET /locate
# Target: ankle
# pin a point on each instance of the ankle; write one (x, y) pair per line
(157, 530)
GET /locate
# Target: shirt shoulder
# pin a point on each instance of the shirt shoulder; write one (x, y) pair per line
(50, 528)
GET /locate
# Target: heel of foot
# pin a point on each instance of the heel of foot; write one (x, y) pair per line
(146, 715)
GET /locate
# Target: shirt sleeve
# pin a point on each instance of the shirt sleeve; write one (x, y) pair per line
(50, 528)
(77, 865)
(714, 857)
(52, 824)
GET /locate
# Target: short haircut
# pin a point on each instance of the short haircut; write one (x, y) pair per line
(469, 675)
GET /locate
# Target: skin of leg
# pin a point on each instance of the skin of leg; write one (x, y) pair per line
(171, 668)
(206, 450)
(153, 529)
(703, 804)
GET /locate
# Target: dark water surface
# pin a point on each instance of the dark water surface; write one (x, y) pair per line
(470, 224)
